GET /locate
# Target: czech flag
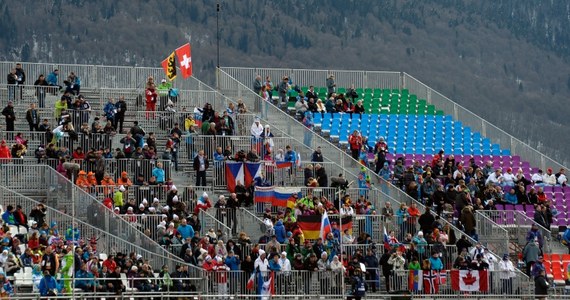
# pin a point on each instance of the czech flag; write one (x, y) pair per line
(252, 171)
(326, 226)
(234, 173)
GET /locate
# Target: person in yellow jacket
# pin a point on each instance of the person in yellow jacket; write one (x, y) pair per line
(118, 197)
(190, 124)
(60, 106)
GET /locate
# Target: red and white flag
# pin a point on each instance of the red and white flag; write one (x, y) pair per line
(250, 282)
(185, 59)
(469, 281)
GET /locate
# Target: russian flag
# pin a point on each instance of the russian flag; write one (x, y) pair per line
(252, 171)
(283, 196)
(326, 226)
(264, 194)
(234, 173)
(283, 164)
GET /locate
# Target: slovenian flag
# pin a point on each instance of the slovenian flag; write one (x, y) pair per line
(252, 171)
(265, 288)
(264, 194)
(234, 173)
(326, 226)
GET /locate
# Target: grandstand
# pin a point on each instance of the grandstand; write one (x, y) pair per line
(129, 212)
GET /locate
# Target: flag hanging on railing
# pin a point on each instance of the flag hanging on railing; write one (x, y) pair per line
(431, 282)
(310, 225)
(252, 171)
(169, 66)
(185, 59)
(469, 281)
(283, 164)
(234, 173)
(345, 222)
(265, 288)
(415, 280)
(250, 282)
(277, 196)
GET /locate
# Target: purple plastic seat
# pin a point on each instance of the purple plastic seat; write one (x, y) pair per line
(500, 206)
(548, 190)
(509, 217)
(525, 165)
(530, 213)
(509, 207)
(519, 207)
(557, 189)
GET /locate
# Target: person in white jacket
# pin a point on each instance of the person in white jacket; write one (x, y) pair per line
(506, 274)
(284, 262)
(496, 178)
(261, 264)
(509, 178)
(549, 178)
(256, 128)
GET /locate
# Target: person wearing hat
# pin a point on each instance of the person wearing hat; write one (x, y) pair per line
(549, 178)
(506, 274)
(162, 90)
(261, 264)
(358, 285)
(541, 285)
(531, 254)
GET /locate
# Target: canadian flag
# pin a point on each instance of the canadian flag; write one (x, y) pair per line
(469, 281)
(185, 60)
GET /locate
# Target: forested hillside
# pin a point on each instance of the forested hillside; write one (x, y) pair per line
(506, 60)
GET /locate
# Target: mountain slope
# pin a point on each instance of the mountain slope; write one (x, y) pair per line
(505, 60)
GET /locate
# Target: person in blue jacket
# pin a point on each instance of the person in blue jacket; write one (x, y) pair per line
(280, 232)
(52, 78)
(435, 262)
(185, 230)
(48, 285)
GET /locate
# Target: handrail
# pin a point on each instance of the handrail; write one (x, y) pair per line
(216, 221)
(494, 235)
(252, 215)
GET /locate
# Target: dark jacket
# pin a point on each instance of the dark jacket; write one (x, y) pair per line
(540, 286)
(197, 163)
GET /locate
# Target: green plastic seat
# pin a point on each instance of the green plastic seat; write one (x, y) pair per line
(439, 113)
(341, 90)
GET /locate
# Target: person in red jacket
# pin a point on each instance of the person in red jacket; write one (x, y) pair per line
(355, 141)
(151, 98)
(5, 153)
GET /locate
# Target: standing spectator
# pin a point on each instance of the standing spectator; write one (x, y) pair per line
(151, 98)
(283, 89)
(121, 108)
(40, 90)
(331, 85)
(33, 117)
(12, 83)
(355, 141)
(530, 255)
(159, 174)
(201, 164)
(20, 78)
(10, 115)
(317, 155)
(506, 274)
(372, 265)
(110, 111)
(541, 285)
(163, 89)
(257, 84)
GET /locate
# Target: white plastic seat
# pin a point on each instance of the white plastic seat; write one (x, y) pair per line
(126, 283)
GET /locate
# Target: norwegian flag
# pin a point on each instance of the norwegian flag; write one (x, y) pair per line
(431, 282)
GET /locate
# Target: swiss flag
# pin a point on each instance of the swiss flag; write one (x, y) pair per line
(469, 281)
(185, 59)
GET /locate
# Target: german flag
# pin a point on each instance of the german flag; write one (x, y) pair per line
(169, 66)
(311, 226)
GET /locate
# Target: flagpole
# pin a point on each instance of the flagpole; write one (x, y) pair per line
(218, 33)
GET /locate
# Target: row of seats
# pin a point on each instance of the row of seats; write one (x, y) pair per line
(408, 133)
(556, 267)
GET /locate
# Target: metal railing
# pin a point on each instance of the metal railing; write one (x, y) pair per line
(491, 234)
(518, 224)
(496, 285)
(109, 240)
(97, 76)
